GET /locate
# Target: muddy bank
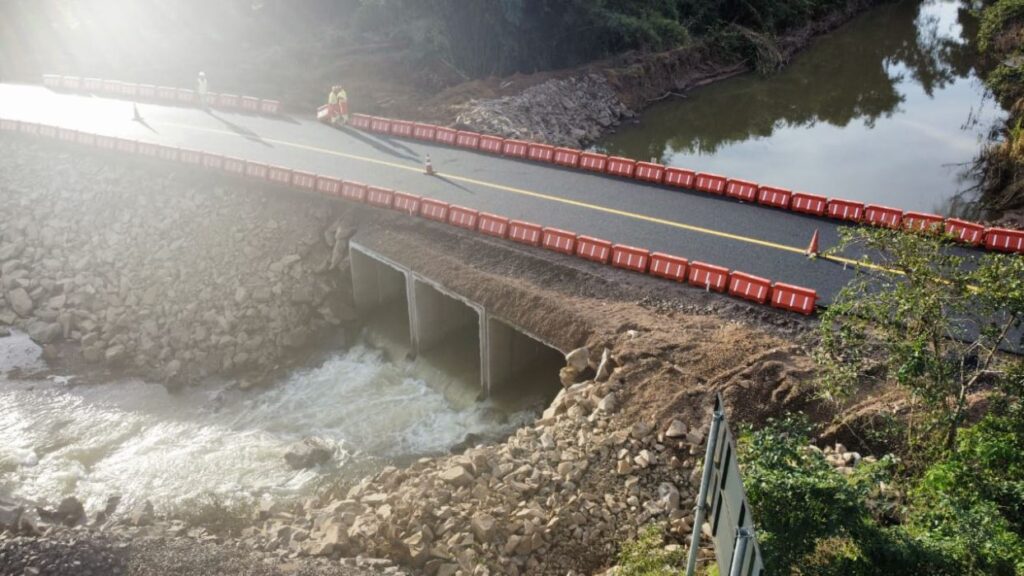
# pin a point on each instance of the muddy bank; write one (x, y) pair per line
(153, 271)
(574, 107)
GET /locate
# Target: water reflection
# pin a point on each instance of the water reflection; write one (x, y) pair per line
(890, 95)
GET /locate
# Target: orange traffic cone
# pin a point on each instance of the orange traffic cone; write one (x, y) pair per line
(812, 249)
(428, 166)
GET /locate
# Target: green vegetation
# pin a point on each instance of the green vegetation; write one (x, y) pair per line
(499, 37)
(952, 501)
(646, 555)
(1001, 42)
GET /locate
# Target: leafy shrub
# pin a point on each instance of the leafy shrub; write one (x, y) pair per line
(646, 555)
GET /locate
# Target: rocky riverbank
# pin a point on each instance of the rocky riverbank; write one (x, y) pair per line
(153, 271)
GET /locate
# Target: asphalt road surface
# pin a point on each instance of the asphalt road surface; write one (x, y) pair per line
(744, 237)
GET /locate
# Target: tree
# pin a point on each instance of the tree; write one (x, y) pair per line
(927, 315)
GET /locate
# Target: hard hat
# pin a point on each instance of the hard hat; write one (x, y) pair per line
(202, 73)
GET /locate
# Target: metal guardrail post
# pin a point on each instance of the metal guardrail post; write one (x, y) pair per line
(698, 521)
(740, 552)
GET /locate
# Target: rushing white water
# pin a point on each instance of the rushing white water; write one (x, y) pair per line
(134, 439)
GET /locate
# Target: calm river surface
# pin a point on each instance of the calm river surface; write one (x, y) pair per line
(888, 109)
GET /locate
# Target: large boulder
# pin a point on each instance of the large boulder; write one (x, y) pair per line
(21, 302)
(308, 453)
(578, 359)
(457, 476)
(70, 512)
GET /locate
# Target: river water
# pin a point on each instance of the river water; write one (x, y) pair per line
(134, 439)
(887, 109)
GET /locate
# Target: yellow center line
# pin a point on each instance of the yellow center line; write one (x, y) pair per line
(548, 197)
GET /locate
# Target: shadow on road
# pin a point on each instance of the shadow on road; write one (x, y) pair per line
(142, 122)
(386, 146)
(454, 184)
(240, 130)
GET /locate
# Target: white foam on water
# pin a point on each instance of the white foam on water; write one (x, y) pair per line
(134, 439)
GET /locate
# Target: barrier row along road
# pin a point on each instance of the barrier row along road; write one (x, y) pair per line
(966, 232)
(163, 94)
(700, 274)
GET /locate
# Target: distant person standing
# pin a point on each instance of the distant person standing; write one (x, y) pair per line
(332, 105)
(201, 88)
(343, 105)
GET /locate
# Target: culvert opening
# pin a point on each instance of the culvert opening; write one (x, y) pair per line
(379, 292)
(521, 368)
(446, 335)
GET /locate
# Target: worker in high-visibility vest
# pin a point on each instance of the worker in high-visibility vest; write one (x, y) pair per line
(343, 105)
(332, 105)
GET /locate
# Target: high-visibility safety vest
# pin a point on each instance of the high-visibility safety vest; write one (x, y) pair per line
(342, 96)
(333, 98)
(202, 85)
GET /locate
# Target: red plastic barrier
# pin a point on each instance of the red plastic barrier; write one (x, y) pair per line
(186, 96)
(360, 121)
(808, 203)
(31, 128)
(377, 196)
(795, 298)
(380, 125)
(630, 258)
(964, 231)
(524, 232)
(594, 249)
(492, 225)
(279, 175)
(168, 153)
(462, 217)
(422, 131)
(491, 144)
(741, 190)
(8, 125)
(229, 101)
(558, 240)
(402, 129)
(129, 90)
(434, 210)
(329, 186)
(213, 161)
(883, 216)
(679, 177)
(323, 113)
(464, 139)
(649, 172)
(63, 134)
(353, 191)
(708, 276)
(257, 170)
(567, 157)
(147, 91)
(147, 149)
(89, 84)
(666, 266)
(193, 157)
(210, 98)
(234, 165)
(304, 180)
(1005, 240)
(113, 87)
(71, 82)
(250, 104)
(845, 209)
(771, 196)
(541, 153)
(270, 107)
(710, 183)
(620, 166)
(47, 131)
(593, 161)
(51, 80)
(166, 93)
(515, 148)
(86, 138)
(408, 203)
(922, 222)
(748, 287)
(101, 142)
(124, 145)
(445, 136)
